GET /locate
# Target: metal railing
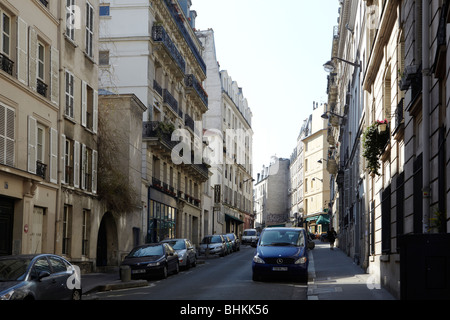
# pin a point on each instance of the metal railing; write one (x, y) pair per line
(159, 34)
(6, 64)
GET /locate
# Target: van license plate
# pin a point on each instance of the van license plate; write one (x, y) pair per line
(280, 269)
(138, 271)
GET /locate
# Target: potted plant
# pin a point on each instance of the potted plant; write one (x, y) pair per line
(374, 142)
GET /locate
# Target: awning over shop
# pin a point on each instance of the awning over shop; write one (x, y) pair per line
(323, 219)
(230, 217)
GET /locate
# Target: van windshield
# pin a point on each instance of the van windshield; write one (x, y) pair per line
(282, 238)
(250, 233)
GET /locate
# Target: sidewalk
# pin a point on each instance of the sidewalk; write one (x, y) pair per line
(334, 276)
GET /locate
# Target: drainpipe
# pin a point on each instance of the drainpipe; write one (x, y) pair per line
(426, 113)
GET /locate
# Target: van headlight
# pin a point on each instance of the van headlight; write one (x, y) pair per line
(301, 260)
(257, 259)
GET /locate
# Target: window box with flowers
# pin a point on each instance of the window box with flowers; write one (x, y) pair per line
(374, 141)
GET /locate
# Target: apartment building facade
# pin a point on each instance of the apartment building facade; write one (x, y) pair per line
(229, 134)
(49, 92)
(158, 58)
(390, 86)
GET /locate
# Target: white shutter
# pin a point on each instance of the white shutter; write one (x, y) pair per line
(2, 134)
(76, 165)
(22, 51)
(54, 74)
(95, 112)
(32, 143)
(83, 103)
(53, 156)
(83, 166)
(10, 136)
(32, 62)
(63, 158)
(94, 171)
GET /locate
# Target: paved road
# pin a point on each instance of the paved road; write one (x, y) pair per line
(227, 278)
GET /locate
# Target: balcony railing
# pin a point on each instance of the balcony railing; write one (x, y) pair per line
(44, 2)
(41, 88)
(160, 35)
(170, 100)
(191, 82)
(185, 34)
(157, 87)
(6, 64)
(41, 169)
(189, 122)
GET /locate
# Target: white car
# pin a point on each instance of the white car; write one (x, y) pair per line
(250, 236)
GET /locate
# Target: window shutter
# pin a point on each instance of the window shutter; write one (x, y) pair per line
(83, 166)
(63, 159)
(83, 103)
(2, 134)
(32, 143)
(22, 51)
(54, 74)
(76, 165)
(94, 171)
(53, 156)
(33, 59)
(95, 112)
(10, 136)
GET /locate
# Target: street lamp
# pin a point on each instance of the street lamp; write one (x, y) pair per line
(320, 161)
(321, 180)
(325, 115)
(330, 67)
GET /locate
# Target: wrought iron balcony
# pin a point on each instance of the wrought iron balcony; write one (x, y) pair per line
(176, 17)
(160, 35)
(6, 64)
(41, 169)
(41, 88)
(191, 82)
(157, 87)
(189, 122)
(170, 100)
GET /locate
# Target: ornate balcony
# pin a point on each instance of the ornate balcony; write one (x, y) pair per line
(195, 87)
(41, 169)
(180, 24)
(159, 35)
(170, 100)
(41, 88)
(6, 64)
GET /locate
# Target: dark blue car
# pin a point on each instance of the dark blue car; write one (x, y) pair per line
(282, 252)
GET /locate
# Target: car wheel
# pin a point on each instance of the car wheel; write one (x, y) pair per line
(177, 268)
(194, 263)
(164, 272)
(188, 264)
(76, 295)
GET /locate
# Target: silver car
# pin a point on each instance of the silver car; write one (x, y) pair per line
(213, 244)
(187, 255)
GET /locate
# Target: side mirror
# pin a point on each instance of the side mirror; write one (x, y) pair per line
(43, 274)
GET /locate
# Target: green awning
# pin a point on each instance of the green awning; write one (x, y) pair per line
(323, 220)
(312, 218)
(230, 217)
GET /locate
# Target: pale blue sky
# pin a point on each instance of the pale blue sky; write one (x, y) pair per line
(275, 50)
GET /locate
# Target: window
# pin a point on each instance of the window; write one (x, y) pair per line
(89, 29)
(69, 94)
(104, 58)
(6, 34)
(89, 108)
(104, 10)
(41, 62)
(7, 135)
(85, 233)
(57, 265)
(68, 173)
(70, 19)
(66, 230)
(40, 143)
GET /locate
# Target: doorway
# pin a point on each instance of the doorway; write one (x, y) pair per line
(107, 242)
(6, 226)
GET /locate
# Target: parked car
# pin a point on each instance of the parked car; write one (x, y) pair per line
(213, 244)
(234, 241)
(187, 255)
(282, 252)
(157, 259)
(228, 244)
(39, 277)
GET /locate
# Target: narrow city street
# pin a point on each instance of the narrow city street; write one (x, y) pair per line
(219, 278)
